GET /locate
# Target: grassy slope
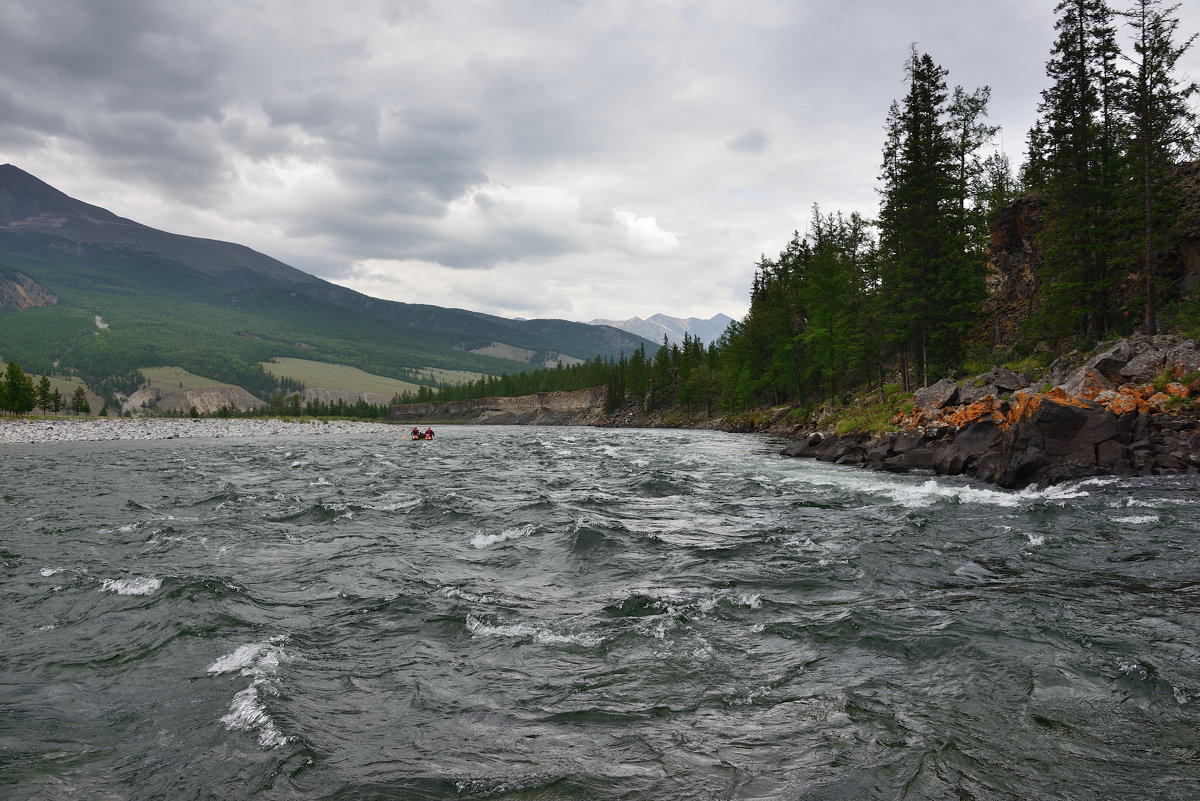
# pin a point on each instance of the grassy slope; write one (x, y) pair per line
(335, 376)
(178, 378)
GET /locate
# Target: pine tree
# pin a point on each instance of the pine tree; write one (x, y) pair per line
(1163, 128)
(79, 402)
(42, 394)
(1081, 170)
(17, 394)
(928, 268)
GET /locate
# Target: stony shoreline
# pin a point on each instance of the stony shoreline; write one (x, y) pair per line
(24, 431)
(1128, 411)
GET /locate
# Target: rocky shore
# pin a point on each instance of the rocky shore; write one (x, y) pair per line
(19, 430)
(1129, 410)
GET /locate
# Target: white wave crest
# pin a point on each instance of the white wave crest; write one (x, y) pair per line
(1136, 519)
(143, 585)
(239, 659)
(455, 592)
(260, 660)
(907, 493)
(753, 601)
(487, 540)
(246, 713)
(478, 628)
(1036, 539)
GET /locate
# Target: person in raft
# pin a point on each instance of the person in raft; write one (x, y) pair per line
(416, 433)
(428, 433)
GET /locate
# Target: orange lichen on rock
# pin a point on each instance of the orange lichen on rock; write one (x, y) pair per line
(1060, 395)
(1158, 400)
(1090, 382)
(964, 415)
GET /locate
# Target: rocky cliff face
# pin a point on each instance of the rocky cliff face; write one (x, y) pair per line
(1012, 268)
(582, 407)
(333, 396)
(1014, 259)
(22, 292)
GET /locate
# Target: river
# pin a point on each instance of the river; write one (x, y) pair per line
(578, 613)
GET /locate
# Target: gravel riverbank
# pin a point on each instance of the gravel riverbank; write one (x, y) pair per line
(18, 430)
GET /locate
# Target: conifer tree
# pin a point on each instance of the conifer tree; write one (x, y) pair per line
(1080, 170)
(17, 394)
(928, 268)
(79, 402)
(42, 394)
(1163, 128)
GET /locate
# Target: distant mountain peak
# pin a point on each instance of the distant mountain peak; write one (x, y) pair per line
(659, 325)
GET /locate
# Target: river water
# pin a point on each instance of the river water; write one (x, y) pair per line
(575, 613)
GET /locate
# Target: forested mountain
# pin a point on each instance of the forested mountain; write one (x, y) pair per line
(85, 291)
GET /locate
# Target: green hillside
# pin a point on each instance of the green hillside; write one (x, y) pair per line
(158, 312)
(85, 292)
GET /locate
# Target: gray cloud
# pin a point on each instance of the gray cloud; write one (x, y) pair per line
(593, 154)
(753, 141)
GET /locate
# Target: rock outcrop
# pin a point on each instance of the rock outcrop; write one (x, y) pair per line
(347, 396)
(22, 292)
(582, 407)
(182, 401)
(1014, 260)
(1011, 273)
(1129, 410)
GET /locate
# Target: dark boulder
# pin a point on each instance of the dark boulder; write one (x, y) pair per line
(937, 396)
(971, 443)
(1057, 440)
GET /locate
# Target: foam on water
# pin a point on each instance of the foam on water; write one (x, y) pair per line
(240, 659)
(479, 628)
(486, 540)
(455, 592)
(907, 493)
(142, 585)
(1136, 519)
(247, 713)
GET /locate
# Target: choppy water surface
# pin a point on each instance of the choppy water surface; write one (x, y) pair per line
(523, 613)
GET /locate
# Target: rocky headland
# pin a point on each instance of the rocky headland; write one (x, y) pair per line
(1129, 410)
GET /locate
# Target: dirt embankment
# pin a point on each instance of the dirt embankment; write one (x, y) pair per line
(582, 407)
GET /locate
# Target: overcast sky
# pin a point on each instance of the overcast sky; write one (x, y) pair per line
(530, 158)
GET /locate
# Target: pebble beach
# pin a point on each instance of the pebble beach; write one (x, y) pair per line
(18, 430)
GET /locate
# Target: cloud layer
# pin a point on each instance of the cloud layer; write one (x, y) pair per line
(565, 159)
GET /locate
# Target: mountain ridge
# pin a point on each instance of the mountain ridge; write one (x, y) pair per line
(655, 327)
(189, 301)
